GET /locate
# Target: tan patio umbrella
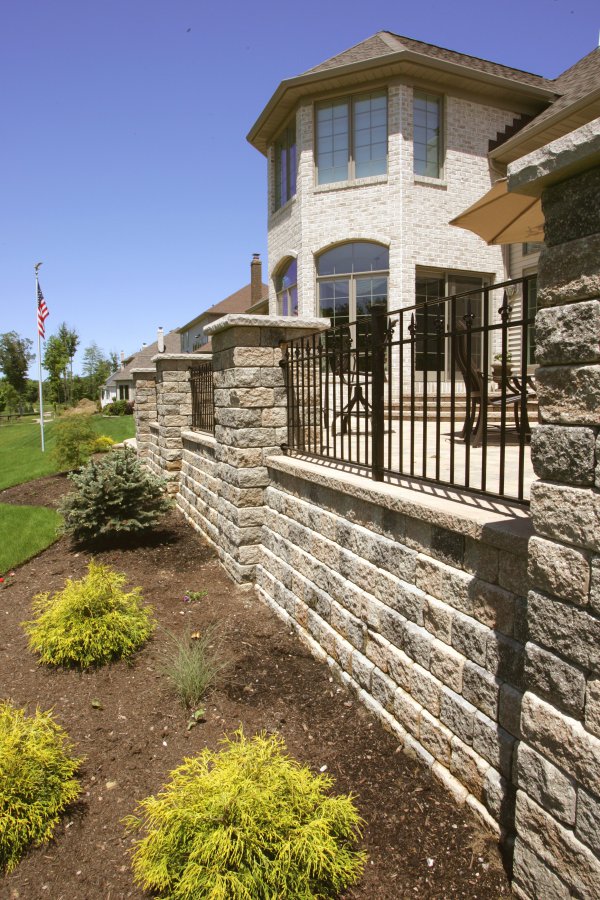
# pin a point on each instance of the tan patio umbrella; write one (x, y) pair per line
(500, 217)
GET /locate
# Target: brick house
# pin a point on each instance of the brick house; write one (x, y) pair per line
(373, 152)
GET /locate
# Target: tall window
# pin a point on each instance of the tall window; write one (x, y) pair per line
(352, 280)
(531, 288)
(351, 137)
(286, 286)
(427, 135)
(285, 166)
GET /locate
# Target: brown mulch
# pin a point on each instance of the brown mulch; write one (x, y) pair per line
(419, 843)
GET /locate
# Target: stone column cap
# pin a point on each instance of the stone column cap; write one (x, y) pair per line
(173, 356)
(141, 371)
(569, 155)
(240, 320)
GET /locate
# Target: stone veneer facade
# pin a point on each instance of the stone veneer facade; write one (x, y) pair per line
(557, 766)
(405, 212)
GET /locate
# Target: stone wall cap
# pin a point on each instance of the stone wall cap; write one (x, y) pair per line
(173, 356)
(146, 371)
(499, 523)
(575, 152)
(198, 437)
(239, 320)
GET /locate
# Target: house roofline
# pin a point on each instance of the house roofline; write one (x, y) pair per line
(509, 150)
(302, 85)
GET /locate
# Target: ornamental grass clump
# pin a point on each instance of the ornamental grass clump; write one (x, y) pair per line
(90, 622)
(246, 823)
(36, 780)
(113, 495)
(193, 663)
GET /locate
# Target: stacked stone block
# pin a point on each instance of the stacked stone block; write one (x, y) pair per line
(174, 412)
(144, 412)
(557, 767)
(418, 609)
(250, 426)
(199, 487)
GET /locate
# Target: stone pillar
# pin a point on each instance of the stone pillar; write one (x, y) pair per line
(144, 409)
(250, 425)
(557, 769)
(174, 411)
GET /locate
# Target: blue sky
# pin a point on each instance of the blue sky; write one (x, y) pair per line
(124, 162)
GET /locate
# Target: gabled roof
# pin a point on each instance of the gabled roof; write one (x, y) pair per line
(238, 302)
(142, 359)
(578, 103)
(387, 55)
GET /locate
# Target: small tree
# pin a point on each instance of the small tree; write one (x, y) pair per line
(74, 439)
(111, 496)
(15, 356)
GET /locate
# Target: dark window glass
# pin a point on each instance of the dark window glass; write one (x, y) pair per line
(285, 166)
(286, 287)
(427, 145)
(531, 289)
(361, 256)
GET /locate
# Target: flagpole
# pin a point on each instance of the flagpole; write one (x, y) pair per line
(41, 393)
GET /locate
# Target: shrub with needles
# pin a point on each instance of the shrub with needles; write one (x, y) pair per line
(89, 622)
(36, 780)
(246, 823)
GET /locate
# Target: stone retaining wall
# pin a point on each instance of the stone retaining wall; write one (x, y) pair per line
(419, 609)
(152, 456)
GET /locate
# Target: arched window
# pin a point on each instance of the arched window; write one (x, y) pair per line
(352, 280)
(286, 287)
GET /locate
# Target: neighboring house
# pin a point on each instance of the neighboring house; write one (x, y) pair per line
(120, 385)
(373, 152)
(190, 338)
(252, 298)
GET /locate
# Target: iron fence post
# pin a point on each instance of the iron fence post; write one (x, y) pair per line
(378, 348)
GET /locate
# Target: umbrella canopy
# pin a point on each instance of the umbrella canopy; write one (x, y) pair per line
(500, 217)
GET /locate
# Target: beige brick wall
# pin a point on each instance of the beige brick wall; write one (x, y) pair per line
(408, 214)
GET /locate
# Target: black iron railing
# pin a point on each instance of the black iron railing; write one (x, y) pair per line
(203, 397)
(441, 391)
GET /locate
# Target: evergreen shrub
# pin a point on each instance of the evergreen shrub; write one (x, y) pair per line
(89, 622)
(74, 436)
(36, 780)
(246, 823)
(113, 495)
(118, 408)
(102, 444)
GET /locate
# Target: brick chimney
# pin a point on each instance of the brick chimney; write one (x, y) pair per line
(256, 288)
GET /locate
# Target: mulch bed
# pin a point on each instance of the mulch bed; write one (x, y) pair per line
(419, 843)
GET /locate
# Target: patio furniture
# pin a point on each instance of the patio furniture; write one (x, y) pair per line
(511, 397)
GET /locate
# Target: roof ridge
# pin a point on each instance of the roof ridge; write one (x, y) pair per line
(483, 59)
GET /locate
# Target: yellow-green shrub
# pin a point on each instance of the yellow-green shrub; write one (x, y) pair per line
(36, 780)
(248, 823)
(102, 444)
(89, 622)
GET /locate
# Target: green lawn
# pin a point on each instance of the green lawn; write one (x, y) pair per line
(21, 457)
(24, 531)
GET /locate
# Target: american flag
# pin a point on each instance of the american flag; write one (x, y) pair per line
(42, 312)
